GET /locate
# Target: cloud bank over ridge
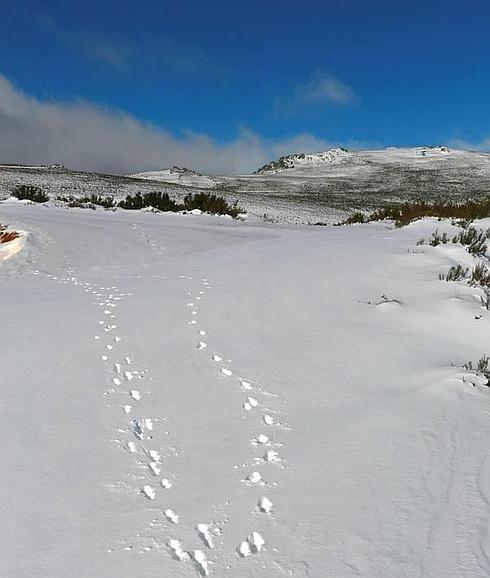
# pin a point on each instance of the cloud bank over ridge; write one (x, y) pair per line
(84, 136)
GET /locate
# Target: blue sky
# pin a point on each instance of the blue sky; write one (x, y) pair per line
(283, 74)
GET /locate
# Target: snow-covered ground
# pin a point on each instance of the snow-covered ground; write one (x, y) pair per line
(188, 395)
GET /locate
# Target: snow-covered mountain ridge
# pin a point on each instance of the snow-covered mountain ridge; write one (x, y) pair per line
(299, 188)
(331, 156)
(325, 160)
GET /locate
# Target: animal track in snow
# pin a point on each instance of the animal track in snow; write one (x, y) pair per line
(202, 345)
(177, 550)
(135, 394)
(250, 403)
(254, 478)
(271, 456)
(148, 492)
(205, 535)
(171, 516)
(226, 372)
(268, 419)
(154, 455)
(201, 562)
(265, 505)
(261, 439)
(155, 469)
(252, 545)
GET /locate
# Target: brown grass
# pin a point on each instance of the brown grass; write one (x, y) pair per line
(6, 236)
(406, 213)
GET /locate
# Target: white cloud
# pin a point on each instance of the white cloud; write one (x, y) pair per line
(326, 89)
(483, 145)
(321, 91)
(84, 136)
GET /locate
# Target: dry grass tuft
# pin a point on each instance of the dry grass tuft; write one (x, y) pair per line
(6, 236)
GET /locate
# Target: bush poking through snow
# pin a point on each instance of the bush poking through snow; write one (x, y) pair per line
(357, 217)
(437, 239)
(474, 240)
(211, 204)
(30, 193)
(204, 202)
(455, 273)
(102, 201)
(482, 366)
(485, 299)
(157, 200)
(480, 275)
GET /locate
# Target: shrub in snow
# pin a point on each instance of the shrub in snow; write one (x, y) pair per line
(30, 193)
(437, 239)
(480, 275)
(211, 204)
(455, 273)
(474, 240)
(482, 367)
(192, 202)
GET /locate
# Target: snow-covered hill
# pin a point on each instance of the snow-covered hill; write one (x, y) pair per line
(318, 163)
(189, 396)
(299, 188)
(181, 176)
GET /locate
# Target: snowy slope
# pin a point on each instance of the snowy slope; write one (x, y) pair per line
(185, 177)
(152, 363)
(324, 187)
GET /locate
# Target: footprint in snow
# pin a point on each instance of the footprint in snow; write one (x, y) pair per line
(205, 535)
(155, 468)
(177, 550)
(271, 456)
(171, 516)
(148, 492)
(254, 478)
(201, 562)
(268, 419)
(252, 545)
(226, 372)
(261, 439)
(250, 403)
(265, 505)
